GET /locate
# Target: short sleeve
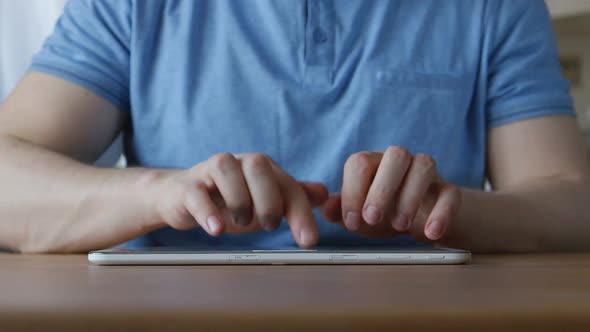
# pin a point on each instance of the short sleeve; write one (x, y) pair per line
(90, 47)
(524, 75)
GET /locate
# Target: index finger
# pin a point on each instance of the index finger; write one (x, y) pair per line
(298, 211)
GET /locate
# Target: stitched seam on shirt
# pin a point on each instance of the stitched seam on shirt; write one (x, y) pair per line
(510, 108)
(79, 80)
(529, 112)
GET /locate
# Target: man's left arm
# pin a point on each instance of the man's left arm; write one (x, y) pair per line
(536, 158)
(540, 174)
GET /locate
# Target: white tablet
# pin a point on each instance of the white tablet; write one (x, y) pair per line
(176, 256)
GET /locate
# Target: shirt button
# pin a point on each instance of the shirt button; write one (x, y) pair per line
(319, 36)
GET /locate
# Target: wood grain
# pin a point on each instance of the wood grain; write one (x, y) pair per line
(504, 292)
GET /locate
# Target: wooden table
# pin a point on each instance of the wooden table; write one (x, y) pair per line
(511, 292)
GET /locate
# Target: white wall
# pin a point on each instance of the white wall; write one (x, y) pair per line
(24, 24)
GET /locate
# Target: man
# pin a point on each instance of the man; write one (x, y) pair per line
(401, 108)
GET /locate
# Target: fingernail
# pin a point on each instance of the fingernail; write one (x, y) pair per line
(214, 224)
(352, 221)
(304, 238)
(372, 215)
(401, 223)
(435, 229)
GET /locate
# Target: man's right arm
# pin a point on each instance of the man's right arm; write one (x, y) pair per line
(51, 198)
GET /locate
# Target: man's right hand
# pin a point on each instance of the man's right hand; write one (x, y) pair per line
(50, 129)
(237, 194)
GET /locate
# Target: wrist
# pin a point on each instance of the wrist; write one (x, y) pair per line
(487, 222)
(148, 186)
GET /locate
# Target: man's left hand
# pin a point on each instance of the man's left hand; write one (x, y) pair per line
(392, 192)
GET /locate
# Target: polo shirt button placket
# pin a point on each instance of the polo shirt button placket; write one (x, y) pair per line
(319, 38)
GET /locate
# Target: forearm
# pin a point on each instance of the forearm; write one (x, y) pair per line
(50, 203)
(548, 215)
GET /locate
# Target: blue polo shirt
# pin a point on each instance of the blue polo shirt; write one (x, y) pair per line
(310, 82)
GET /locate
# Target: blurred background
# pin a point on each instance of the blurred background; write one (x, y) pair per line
(24, 24)
(571, 20)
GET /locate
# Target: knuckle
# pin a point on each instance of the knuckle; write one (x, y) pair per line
(381, 195)
(223, 161)
(398, 152)
(360, 162)
(426, 162)
(257, 162)
(425, 159)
